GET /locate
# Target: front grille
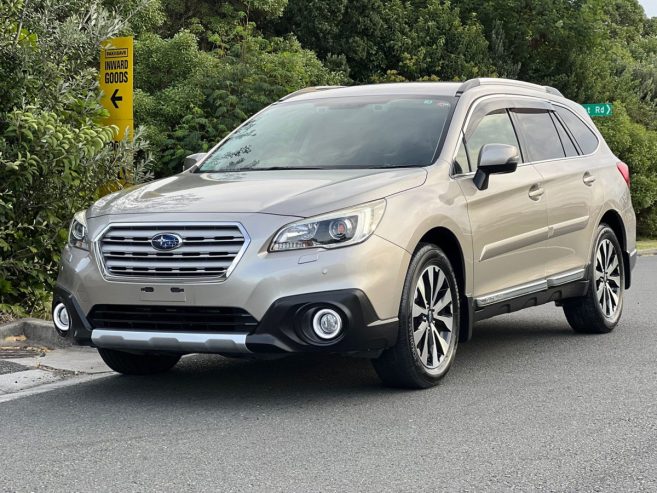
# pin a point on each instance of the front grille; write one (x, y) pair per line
(208, 250)
(171, 318)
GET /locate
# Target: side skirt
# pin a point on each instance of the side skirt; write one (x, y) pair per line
(556, 294)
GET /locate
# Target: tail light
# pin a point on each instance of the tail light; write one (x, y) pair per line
(625, 171)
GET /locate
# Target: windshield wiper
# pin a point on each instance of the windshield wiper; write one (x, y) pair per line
(276, 168)
(268, 168)
(290, 168)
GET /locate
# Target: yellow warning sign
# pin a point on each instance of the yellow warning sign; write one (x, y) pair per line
(116, 83)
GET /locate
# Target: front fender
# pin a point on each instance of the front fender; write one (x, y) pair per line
(439, 203)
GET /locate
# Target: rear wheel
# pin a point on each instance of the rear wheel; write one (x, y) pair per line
(599, 311)
(428, 324)
(138, 364)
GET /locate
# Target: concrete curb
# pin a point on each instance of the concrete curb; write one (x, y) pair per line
(35, 330)
(648, 251)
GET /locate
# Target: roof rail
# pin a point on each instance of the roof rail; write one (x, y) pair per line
(472, 83)
(307, 90)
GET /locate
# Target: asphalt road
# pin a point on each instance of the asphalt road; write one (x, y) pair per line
(529, 405)
(9, 367)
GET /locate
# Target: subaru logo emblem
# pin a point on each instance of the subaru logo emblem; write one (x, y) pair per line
(166, 241)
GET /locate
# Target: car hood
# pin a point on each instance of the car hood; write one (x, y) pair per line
(300, 193)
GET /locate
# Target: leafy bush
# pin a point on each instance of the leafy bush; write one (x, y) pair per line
(55, 152)
(637, 146)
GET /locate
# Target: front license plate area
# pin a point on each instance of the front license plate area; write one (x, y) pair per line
(163, 294)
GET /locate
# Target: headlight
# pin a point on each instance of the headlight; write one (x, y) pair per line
(77, 233)
(333, 230)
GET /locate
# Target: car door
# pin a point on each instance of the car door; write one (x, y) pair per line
(509, 218)
(569, 190)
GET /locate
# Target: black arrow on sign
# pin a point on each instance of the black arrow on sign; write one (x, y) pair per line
(115, 97)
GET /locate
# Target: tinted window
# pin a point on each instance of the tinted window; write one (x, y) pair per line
(566, 141)
(539, 134)
(349, 132)
(494, 128)
(587, 140)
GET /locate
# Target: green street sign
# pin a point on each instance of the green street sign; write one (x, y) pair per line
(599, 109)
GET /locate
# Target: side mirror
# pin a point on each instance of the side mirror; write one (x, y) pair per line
(193, 160)
(495, 159)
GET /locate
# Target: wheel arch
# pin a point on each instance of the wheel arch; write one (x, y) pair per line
(448, 242)
(614, 220)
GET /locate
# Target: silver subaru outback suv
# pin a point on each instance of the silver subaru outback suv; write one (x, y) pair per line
(379, 221)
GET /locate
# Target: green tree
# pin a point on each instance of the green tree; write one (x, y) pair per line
(392, 40)
(443, 46)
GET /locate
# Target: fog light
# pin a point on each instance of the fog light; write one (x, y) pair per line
(60, 317)
(327, 324)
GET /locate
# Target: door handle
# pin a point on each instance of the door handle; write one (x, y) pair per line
(535, 192)
(588, 179)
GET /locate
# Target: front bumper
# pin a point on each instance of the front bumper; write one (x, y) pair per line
(377, 267)
(283, 329)
(364, 281)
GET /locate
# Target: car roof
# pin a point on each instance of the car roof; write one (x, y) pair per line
(446, 89)
(387, 89)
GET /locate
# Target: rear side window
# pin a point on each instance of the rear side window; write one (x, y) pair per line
(567, 142)
(494, 128)
(587, 140)
(539, 134)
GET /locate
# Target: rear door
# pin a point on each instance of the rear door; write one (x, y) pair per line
(570, 189)
(509, 219)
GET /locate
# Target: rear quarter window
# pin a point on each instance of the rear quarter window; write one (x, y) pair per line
(585, 137)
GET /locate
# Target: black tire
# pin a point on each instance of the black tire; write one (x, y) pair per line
(587, 314)
(401, 365)
(138, 364)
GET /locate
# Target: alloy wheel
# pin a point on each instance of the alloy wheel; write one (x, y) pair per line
(433, 318)
(608, 284)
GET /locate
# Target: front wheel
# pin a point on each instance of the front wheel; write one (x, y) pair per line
(138, 364)
(429, 317)
(599, 311)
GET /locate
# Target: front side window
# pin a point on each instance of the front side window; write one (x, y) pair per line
(539, 134)
(587, 140)
(348, 132)
(494, 128)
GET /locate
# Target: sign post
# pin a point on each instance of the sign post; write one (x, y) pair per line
(600, 109)
(116, 83)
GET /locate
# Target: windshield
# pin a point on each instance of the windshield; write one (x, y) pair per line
(374, 132)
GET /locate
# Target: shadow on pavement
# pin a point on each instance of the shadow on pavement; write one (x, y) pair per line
(231, 383)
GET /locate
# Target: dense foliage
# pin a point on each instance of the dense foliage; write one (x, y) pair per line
(54, 152)
(202, 67)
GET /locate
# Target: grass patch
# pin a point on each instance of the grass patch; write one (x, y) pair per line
(642, 245)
